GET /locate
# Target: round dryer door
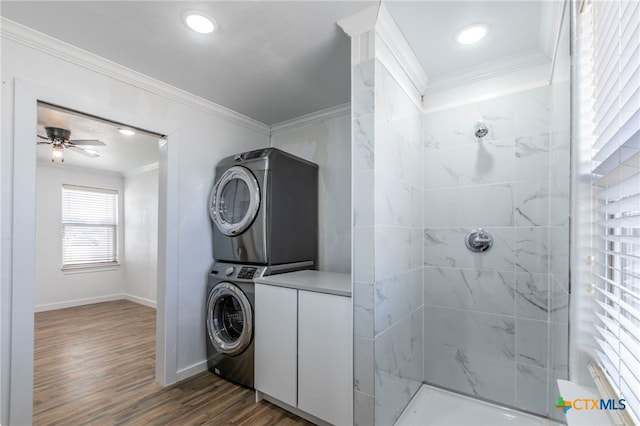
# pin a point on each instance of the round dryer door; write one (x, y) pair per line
(229, 319)
(234, 201)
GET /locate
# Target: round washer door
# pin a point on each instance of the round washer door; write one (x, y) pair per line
(234, 201)
(229, 319)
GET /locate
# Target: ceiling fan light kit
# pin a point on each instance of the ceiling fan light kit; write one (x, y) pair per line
(56, 152)
(58, 138)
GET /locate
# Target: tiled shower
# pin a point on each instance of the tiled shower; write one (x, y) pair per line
(492, 325)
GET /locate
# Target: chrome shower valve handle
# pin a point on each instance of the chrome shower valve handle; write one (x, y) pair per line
(478, 240)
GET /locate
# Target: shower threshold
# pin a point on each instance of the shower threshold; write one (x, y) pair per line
(431, 406)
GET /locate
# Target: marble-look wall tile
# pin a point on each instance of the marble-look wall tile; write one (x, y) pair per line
(393, 201)
(417, 214)
(532, 389)
(532, 110)
(363, 88)
(469, 206)
(364, 367)
(392, 103)
(394, 250)
(531, 342)
(532, 296)
(393, 393)
(454, 368)
(532, 157)
(558, 302)
(478, 334)
(475, 164)
(363, 409)
(470, 289)
(363, 254)
(559, 251)
(561, 106)
(363, 143)
(363, 198)
(400, 343)
(532, 253)
(456, 126)
(395, 297)
(445, 247)
(413, 369)
(363, 309)
(558, 346)
(502, 343)
(531, 203)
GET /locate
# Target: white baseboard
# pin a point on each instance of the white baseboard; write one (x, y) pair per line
(78, 302)
(140, 300)
(192, 370)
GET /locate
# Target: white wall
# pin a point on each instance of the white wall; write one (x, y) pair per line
(54, 288)
(325, 139)
(141, 237)
(200, 134)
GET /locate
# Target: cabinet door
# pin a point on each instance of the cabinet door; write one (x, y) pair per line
(325, 379)
(275, 342)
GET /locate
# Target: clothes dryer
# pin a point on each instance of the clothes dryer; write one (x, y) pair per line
(264, 207)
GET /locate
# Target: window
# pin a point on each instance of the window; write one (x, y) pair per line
(616, 191)
(89, 227)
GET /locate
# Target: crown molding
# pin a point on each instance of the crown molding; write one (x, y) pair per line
(397, 46)
(360, 22)
(388, 45)
(489, 70)
(149, 167)
(36, 40)
(325, 114)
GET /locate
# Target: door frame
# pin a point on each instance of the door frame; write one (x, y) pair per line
(22, 245)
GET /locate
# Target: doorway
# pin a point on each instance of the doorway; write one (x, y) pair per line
(18, 340)
(96, 246)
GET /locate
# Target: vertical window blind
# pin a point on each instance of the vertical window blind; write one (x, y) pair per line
(89, 226)
(616, 188)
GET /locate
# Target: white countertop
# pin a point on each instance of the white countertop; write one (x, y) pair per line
(318, 281)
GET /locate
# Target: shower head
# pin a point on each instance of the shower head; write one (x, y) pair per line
(481, 130)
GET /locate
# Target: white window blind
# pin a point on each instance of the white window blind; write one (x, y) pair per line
(89, 226)
(616, 184)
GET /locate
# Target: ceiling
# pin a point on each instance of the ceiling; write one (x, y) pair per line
(122, 154)
(519, 30)
(269, 60)
(278, 60)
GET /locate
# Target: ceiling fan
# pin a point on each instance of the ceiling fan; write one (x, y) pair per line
(58, 138)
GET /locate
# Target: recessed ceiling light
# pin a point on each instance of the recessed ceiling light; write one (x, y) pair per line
(127, 132)
(472, 34)
(199, 22)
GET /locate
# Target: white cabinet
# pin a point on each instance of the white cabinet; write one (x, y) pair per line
(303, 351)
(276, 331)
(324, 357)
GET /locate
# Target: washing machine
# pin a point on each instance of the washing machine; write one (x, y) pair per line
(229, 317)
(264, 207)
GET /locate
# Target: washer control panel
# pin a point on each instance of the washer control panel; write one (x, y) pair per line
(247, 272)
(236, 272)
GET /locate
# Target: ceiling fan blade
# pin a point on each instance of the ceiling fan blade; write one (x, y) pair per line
(44, 143)
(43, 137)
(87, 142)
(82, 151)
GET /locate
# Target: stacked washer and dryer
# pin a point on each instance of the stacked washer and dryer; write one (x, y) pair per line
(264, 207)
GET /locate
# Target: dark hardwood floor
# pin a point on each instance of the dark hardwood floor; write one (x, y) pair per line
(95, 364)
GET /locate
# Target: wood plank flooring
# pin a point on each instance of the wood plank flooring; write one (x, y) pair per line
(95, 364)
